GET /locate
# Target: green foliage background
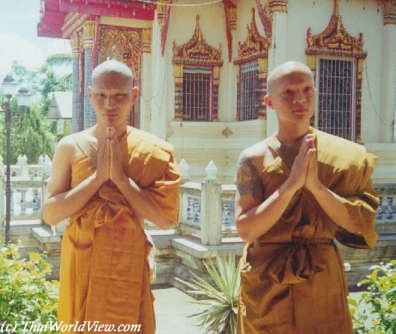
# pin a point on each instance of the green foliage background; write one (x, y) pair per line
(374, 312)
(219, 294)
(25, 293)
(31, 133)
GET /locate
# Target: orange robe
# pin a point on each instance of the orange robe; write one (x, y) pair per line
(292, 278)
(105, 274)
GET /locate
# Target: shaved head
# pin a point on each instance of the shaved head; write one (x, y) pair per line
(118, 73)
(285, 69)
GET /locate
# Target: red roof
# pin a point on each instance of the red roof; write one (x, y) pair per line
(53, 12)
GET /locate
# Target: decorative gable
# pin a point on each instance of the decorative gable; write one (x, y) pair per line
(197, 51)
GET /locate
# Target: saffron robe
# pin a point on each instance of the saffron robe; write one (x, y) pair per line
(292, 277)
(104, 272)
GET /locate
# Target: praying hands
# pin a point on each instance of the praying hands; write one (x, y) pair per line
(109, 161)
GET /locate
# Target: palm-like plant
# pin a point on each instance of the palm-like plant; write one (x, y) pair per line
(219, 295)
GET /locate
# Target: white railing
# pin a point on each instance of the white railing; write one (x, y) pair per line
(205, 197)
(206, 208)
(28, 184)
(387, 195)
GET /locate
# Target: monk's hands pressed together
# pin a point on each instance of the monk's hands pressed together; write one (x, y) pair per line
(299, 170)
(103, 161)
(117, 174)
(312, 182)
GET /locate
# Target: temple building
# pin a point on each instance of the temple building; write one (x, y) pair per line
(202, 66)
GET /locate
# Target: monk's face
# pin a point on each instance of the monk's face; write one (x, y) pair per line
(293, 96)
(112, 97)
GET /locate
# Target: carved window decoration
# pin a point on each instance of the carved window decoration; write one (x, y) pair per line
(196, 94)
(336, 109)
(389, 11)
(253, 71)
(197, 71)
(248, 89)
(123, 44)
(336, 43)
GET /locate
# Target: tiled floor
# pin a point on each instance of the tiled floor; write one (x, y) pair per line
(172, 308)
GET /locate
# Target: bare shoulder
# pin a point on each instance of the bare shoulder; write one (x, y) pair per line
(79, 142)
(61, 166)
(65, 147)
(248, 178)
(254, 154)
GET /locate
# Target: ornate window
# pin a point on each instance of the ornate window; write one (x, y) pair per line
(336, 59)
(252, 76)
(248, 91)
(197, 84)
(196, 69)
(336, 108)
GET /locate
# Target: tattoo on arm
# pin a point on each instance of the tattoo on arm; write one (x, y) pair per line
(248, 180)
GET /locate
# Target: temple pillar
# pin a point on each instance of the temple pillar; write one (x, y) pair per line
(76, 103)
(388, 131)
(277, 53)
(88, 44)
(159, 101)
(146, 82)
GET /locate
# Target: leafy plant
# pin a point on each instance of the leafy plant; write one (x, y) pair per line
(375, 311)
(25, 293)
(31, 135)
(220, 295)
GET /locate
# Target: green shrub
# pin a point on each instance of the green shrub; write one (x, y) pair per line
(25, 293)
(220, 295)
(375, 310)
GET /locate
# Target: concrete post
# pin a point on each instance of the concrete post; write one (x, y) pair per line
(185, 170)
(211, 208)
(23, 166)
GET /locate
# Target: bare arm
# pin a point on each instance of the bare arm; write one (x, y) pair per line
(61, 201)
(254, 217)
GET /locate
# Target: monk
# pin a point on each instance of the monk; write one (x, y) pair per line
(298, 191)
(108, 179)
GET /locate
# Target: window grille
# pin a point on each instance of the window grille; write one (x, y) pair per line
(197, 94)
(336, 112)
(248, 91)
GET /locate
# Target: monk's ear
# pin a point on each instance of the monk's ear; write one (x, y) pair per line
(268, 101)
